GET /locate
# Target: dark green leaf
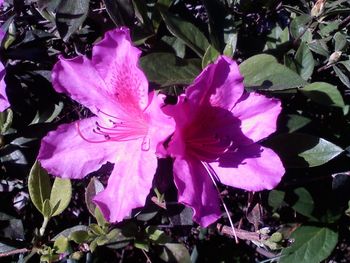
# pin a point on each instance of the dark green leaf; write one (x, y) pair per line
(296, 122)
(276, 198)
(305, 204)
(165, 69)
(120, 11)
(187, 32)
(298, 26)
(302, 150)
(312, 245)
(339, 41)
(264, 72)
(343, 78)
(304, 61)
(324, 93)
(174, 252)
(39, 186)
(5, 120)
(70, 16)
(79, 237)
(319, 46)
(93, 188)
(210, 56)
(68, 231)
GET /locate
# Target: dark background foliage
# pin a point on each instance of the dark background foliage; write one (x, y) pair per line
(297, 51)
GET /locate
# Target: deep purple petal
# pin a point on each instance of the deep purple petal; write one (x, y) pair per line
(258, 115)
(129, 183)
(4, 103)
(219, 84)
(196, 190)
(251, 167)
(66, 154)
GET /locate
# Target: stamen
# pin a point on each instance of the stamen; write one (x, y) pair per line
(212, 173)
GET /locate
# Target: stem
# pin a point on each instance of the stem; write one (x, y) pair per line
(242, 234)
(14, 252)
(43, 227)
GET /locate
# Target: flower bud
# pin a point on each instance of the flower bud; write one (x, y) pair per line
(318, 8)
(334, 57)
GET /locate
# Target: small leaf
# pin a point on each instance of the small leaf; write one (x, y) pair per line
(70, 16)
(174, 252)
(231, 45)
(93, 188)
(324, 93)
(166, 69)
(120, 11)
(305, 204)
(6, 118)
(339, 41)
(101, 221)
(61, 244)
(312, 245)
(157, 236)
(304, 61)
(298, 26)
(39, 186)
(296, 122)
(299, 150)
(142, 244)
(60, 196)
(68, 231)
(343, 78)
(210, 56)
(79, 236)
(47, 210)
(186, 31)
(264, 72)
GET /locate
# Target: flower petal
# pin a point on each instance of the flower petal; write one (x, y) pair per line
(196, 190)
(66, 154)
(129, 183)
(251, 167)
(220, 83)
(258, 115)
(4, 103)
(116, 61)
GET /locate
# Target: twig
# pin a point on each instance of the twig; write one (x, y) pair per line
(14, 252)
(241, 234)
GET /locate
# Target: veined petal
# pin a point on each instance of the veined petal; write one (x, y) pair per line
(66, 154)
(258, 115)
(251, 167)
(219, 84)
(4, 103)
(116, 61)
(196, 190)
(130, 182)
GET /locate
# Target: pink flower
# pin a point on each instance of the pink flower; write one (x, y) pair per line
(126, 130)
(218, 126)
(4, 103)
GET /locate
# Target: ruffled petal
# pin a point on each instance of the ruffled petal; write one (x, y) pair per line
(220, 83)
(4, 103)
(252, 168)
(258, 115)
(66, 154)
(116, 61)
(129, 183)
(196, 190)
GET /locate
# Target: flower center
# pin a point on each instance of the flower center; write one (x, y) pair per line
(112, 128)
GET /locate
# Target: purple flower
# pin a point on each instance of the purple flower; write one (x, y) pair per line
(127, 128)
(218, 126)
(4, 103)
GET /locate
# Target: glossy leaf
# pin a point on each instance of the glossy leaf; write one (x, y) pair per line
(264, 72)
(342, 76)
(186, 31)
(302, 150)
(324, 93)
(165, 69)
(211, 54)
(120, 11)
(296, 122)
(175, 252)
(304, 61)
(39, 186)
(93, 188)
(70, 16)
(312, 245)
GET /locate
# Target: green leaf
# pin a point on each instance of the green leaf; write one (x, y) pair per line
(174, 252)
(210, 56)
(6, 118)
(276, 198)
(177, 45)
(61, 244)
(70, 16)
(142, 244)
(304, 61)
(296, 122)
(101, 221)
(93, 188)
(79, 237)
(157, 236)
(299, 25)
(299, 150)
(312, 245)
(186, 31)
(305, 204)
(339, 41)
(47, 210)
(70, 230)
(324, 93)
(320, 47)
(60, 196)
(231, 45)
(120, 11)
(39, 186)
(343, 78)
(166, 69)
(264, 72)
